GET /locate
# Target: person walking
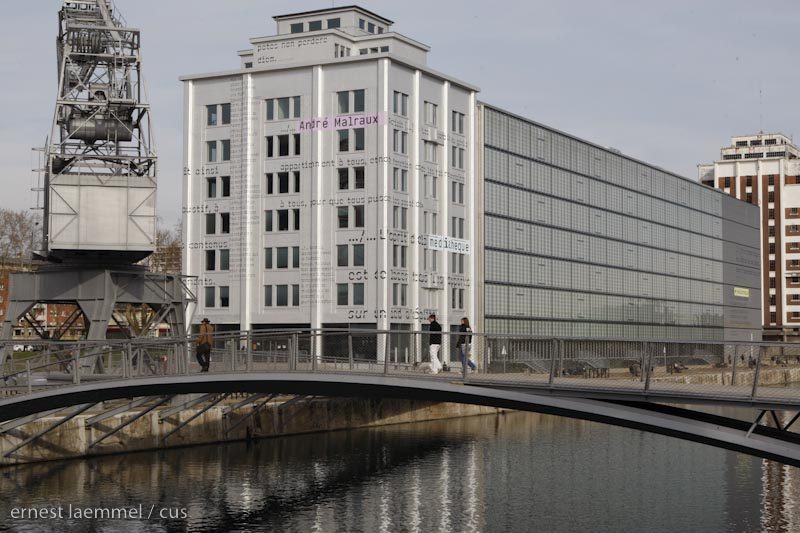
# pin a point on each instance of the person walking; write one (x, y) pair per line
(204, 342)
(464, 344)
(434, 344)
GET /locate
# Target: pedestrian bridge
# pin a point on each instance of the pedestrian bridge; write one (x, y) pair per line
(686, 390)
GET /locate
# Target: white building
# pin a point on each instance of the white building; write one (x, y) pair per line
(764, 170)
(326, 179)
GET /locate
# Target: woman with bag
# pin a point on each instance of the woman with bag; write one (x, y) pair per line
(464, 343)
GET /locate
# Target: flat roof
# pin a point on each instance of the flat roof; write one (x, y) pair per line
(333, 10)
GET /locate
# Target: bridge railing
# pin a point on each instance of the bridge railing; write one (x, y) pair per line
(707, 368)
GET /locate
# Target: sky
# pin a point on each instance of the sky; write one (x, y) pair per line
(667, 82)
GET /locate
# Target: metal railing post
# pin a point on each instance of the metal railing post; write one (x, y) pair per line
(234, 341)
(294, 351)
(649, 367)
(249, 339)
(386, 352)
(762, 352)
(313, 350)
(350, 349)
(127, 361)
(553, 355)
(733, 365)
(76, 376)
(28, 371)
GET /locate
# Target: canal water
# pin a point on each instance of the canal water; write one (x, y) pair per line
(511, 472)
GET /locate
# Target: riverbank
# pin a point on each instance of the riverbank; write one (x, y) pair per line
(280, 417)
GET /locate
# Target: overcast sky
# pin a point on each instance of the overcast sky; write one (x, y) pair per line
(668, 82)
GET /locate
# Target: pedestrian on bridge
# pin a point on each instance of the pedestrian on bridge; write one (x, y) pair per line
(204, 342)
(464, 343)
(435, 344)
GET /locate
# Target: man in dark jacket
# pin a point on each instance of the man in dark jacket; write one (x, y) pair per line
(435, 344)
(464, 342)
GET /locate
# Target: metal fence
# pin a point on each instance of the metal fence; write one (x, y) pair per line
(740, 369)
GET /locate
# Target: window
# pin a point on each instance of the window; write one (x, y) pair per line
(358, 215)
(270, 184)
(296, 181)
(341, 255)
(431, 110)
(400, 180)
(296, 138)
(741, 143)
(315, 25)
(342, 216)
(430, 185)
(295, 257)
(211, 224)
(283, 220)
(362, 24)
(772, 247)
(283, 145)
(430, 151)
(296, 213)
(773, 318)
(457, 122)
(358, 255)
(399, 294)
(270, 147)
(267, 295)
(226, 113)
(283, 108)
(282, 257)
(283, 182)
(341, 294)
(457, 299)
(771, 196)
(211, 187)
(400, 104)
(358, 294)
(224, 297)
(456, 192)
(226, 186)
(400, 217)
(358, 101)
(771, 180)
(771, 141)
(297, 27)
(211, 260)
(371, 27)
(211, 115)
(334, 23)
(282, 296)
(772, 266)
(210, 296)
(399, 255)
(359, 177)
(211, 151)
(399, 142)
(296, 295)
(457, 157)
(755, 143)
(771, 214)
(344, 178)
(749, 197)
(343, 99)
(226, 150)
(359, 135)
(267, 257)
(771, 283)
(268, 220)
(225, 220)
(344, 140)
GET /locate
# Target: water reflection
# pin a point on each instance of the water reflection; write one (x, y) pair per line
(514, 472)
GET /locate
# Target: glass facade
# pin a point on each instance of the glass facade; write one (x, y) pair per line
(581, 241)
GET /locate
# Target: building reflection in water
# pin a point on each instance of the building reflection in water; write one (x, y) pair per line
(516, 471)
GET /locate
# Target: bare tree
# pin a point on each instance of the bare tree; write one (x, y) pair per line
(20, 232)
(167, 256)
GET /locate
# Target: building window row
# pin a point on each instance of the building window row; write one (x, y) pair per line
(400, 104)
(431, 113)
(343, 258)
(351, 100)
(283, 257)
(431, 151)
(211, 300)
(456, 263)
(314, 25)
(457, 192)
(348, 179)
(278, 295)
(341, 50)
(399, 256)
(457, 299)
(283, 145)
(457, 122)
(224, 260)
(351, 140)
(218, 186)
(279, 220)
(343, 291)
(400, 294)
(221, 221)
(400, 179)
(343, 217)
(218, 114)
(400, 141)
(283, 108)
(211, 150)
(373, 50)
(283, 182)
(400, 217)
(369, 27)
(457, 157)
